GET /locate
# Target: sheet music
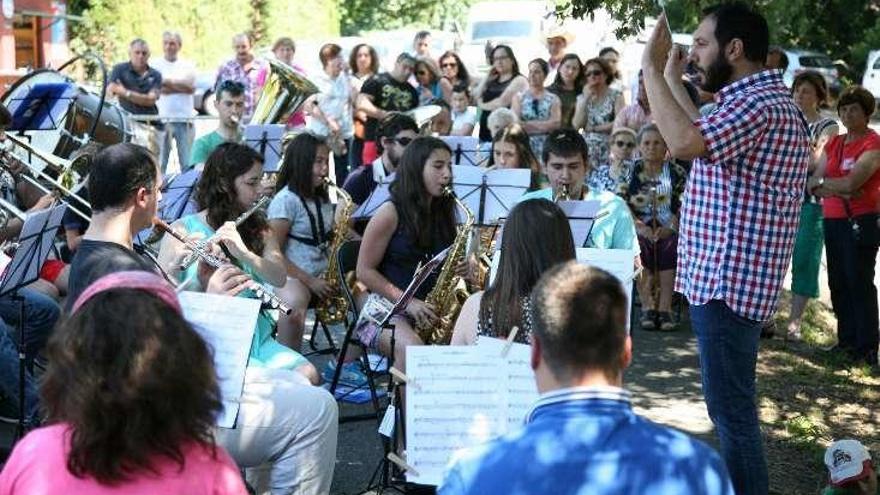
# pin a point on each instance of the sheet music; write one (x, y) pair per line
(377, 198)
(499, 190)
(581, 215)
(466, 150)
(618, 262)
(466, 395)
(227, 324)
(34, 245)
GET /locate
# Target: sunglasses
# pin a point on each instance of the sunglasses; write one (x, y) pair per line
(591, 73)
(450, 65)
(403, 141)
(625, 144)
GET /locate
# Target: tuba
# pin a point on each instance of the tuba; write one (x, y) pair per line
(332, 310)
(448, 296)
(284, 92)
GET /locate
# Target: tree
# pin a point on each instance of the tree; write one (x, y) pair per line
(843, 29)
(357, 16)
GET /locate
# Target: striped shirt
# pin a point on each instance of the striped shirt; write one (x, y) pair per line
(741, 207)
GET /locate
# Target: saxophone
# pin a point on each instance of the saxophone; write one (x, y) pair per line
(562, 194)
(332, 310)
(447, 296)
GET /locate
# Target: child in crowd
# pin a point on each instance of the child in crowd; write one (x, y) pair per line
(464, 116)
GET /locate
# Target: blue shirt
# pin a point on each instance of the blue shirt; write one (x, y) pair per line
(588, 440)
(614, 230)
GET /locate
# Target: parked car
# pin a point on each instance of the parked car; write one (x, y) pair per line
(521, 25)
(803, 60)
(203, 97)
(871, 79)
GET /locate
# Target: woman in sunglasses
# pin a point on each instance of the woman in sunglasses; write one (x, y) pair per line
(596, 108)
(454, 70)
(431, 84)
(538, 110)
(499, 88)
(614, 174)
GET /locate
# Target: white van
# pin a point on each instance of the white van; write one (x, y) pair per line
(871, 79)
(521, 25)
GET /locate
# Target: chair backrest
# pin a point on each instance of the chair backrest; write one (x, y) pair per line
(346, 261)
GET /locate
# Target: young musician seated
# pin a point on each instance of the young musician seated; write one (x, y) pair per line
(301, 217)
(582, 435)
(417, 223)
(131, 394)
(536, 237)
(566, 166)
(229, 186)
(230, 105)
(394, 133)
(284, 423)
(511, 149)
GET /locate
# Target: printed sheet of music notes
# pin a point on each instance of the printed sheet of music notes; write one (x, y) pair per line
(227, 324)
(461, 396)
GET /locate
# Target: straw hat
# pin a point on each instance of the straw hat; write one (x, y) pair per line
(560, 32)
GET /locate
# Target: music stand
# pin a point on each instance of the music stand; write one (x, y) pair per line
(34, 245)
(39, 109)
(489, 194)
(384, 469)
(381, 193)
(266, 140)
(581, 217)
(466, 150)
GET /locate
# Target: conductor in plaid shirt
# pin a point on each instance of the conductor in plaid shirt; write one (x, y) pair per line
(740, 209)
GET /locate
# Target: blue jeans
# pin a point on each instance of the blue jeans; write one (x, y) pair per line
(728, 345)
(9, 370)
(40, 314)
(183, 133)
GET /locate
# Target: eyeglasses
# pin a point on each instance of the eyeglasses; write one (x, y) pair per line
(591, 73)
(403, 141)
(450, 65)
(625, 144)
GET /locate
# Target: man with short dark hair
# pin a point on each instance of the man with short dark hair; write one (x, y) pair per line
(566, 165)
(739, 214)
(384, 93)
(135, 83)
(230, 105)
(284, 425)
(422, 44)
(582, 435)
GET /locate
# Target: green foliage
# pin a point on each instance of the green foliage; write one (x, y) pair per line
(207, 26)
(357, 16)
(843, 29)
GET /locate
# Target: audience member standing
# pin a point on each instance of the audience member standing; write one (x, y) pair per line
(384, 93)
(363, 63)
(331, 113)
(246, 69)
(499, 87)
(740, 209)
(567, 85)
(848, 180)
(596, 108)
(137, 86)
(558, 39)
(176, 103)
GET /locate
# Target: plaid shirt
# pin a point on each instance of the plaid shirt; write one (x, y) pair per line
(233, 71)
(741, 206)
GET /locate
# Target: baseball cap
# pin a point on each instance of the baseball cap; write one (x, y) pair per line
(846, 461)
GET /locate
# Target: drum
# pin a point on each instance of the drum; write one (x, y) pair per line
(113, 124)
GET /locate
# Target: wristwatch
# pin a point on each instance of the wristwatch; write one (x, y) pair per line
(128, 93)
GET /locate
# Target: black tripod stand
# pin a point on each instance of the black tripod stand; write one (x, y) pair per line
(35, 244)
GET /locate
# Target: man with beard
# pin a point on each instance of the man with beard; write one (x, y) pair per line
(395, 132)
(740, 209)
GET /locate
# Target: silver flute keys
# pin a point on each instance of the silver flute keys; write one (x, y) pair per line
(192, 257)
(263, 293)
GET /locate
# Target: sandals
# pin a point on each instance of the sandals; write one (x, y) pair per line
(648, 320)
(667, 324)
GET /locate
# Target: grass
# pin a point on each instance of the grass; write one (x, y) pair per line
(808, 398)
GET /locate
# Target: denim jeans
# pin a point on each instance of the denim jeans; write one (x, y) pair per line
(182, 133)
(9, 374)
(851, 265)
(728, 345)
(40, 314)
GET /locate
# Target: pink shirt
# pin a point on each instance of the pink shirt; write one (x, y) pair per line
(38, 466)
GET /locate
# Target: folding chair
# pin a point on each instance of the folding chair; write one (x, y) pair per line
(346, 261)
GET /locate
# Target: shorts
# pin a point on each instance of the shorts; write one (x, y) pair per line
(51, 269)
(667, 253)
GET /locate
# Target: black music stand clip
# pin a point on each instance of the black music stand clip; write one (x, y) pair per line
(34, 245)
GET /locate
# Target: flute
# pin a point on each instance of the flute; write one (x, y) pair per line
(263, 293)
(192, 257)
